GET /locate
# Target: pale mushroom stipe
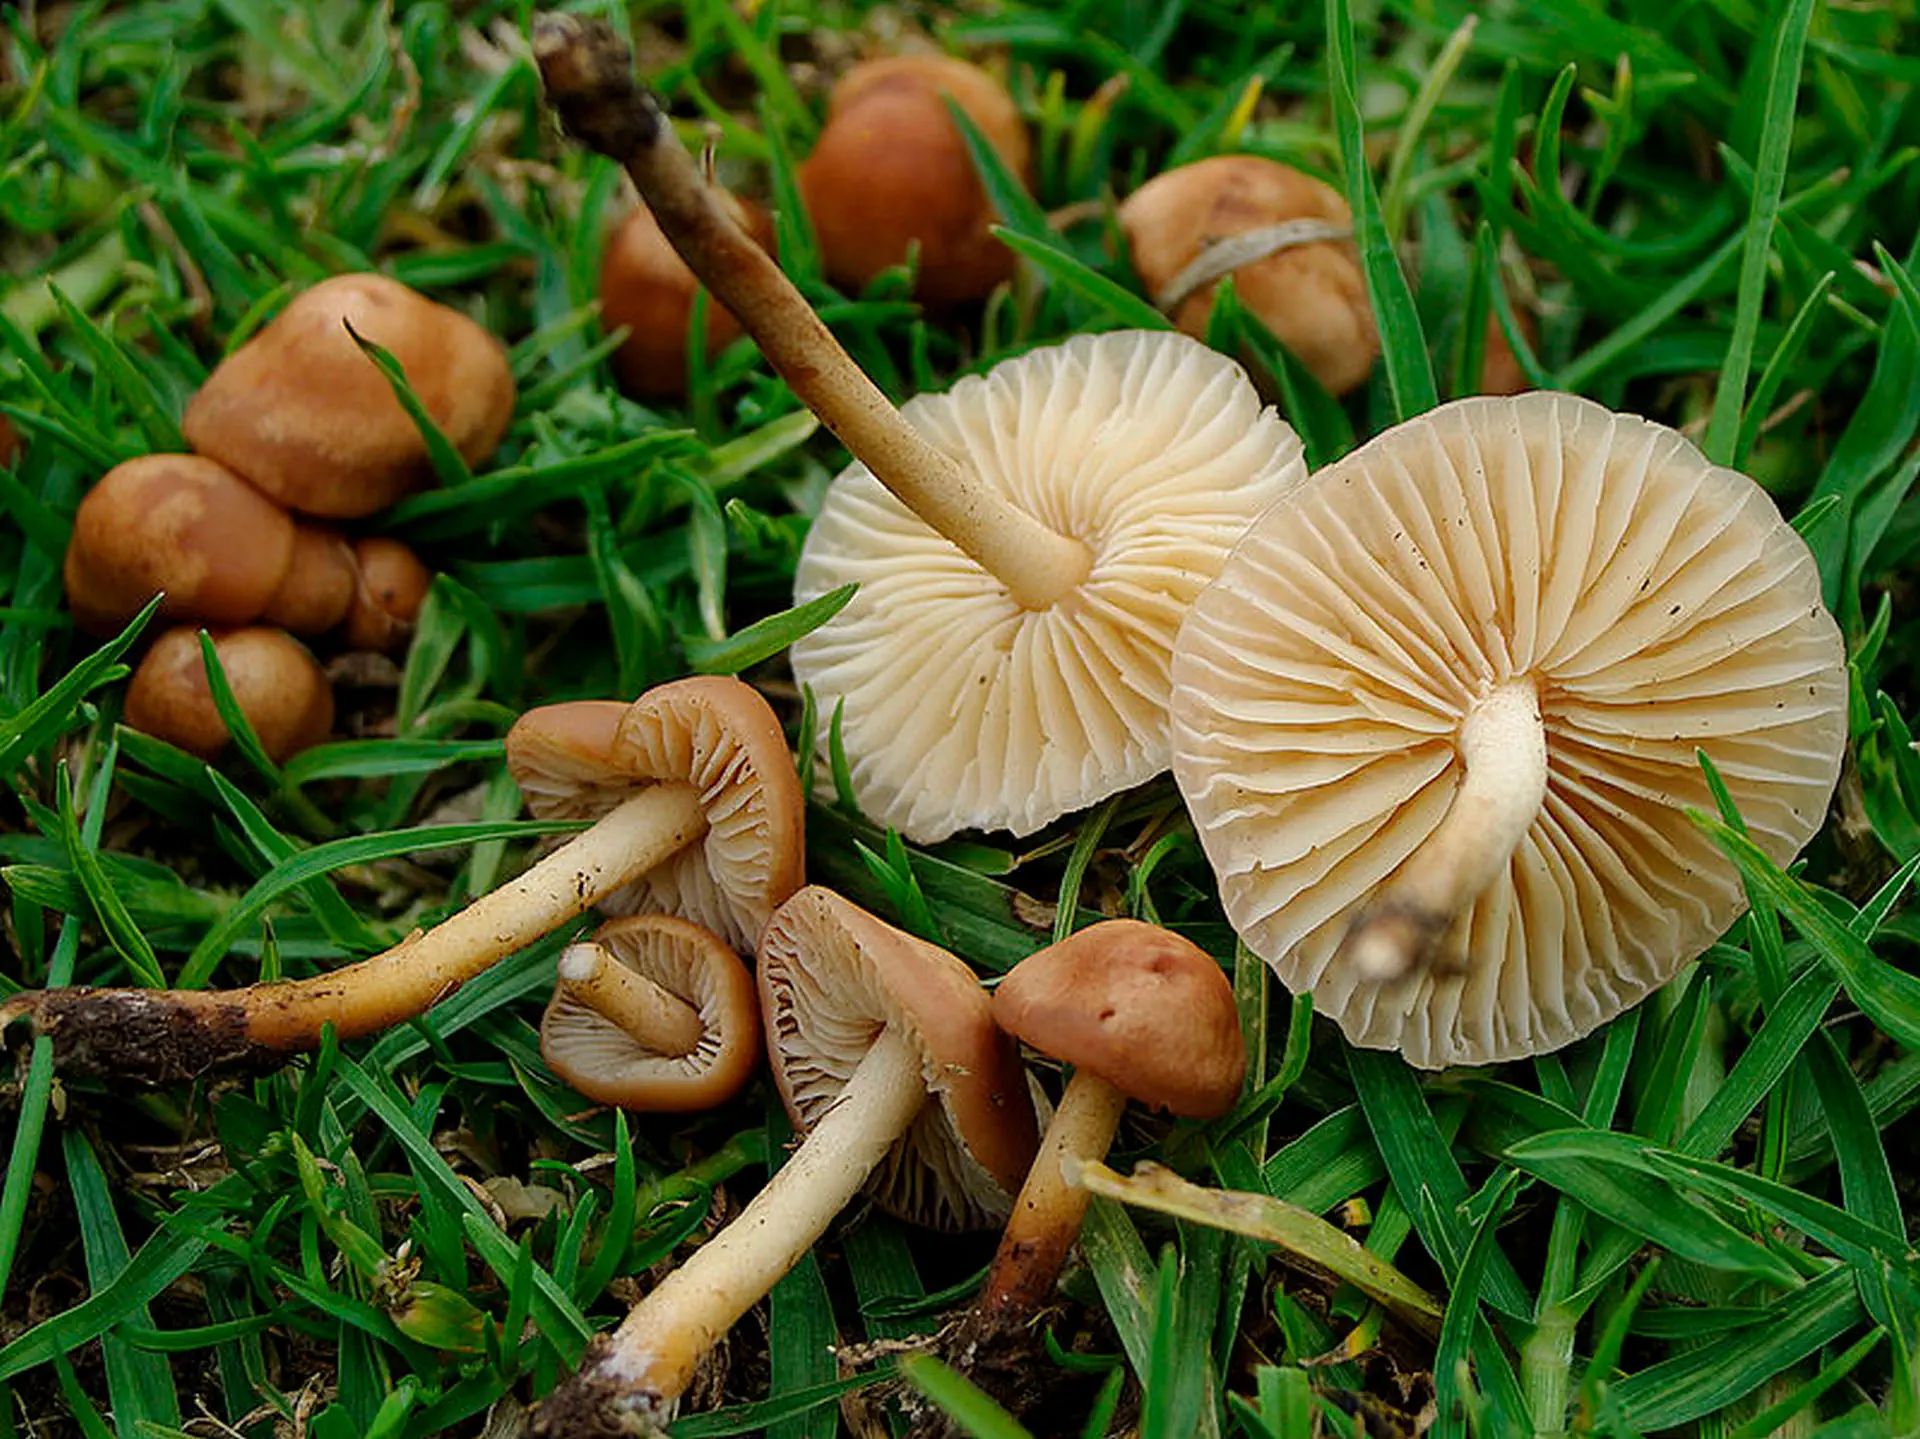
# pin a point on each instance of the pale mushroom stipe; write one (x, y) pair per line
(886, 1055)
(653, 1013)
(1025, 545)
(696, 811)
(1437, 719)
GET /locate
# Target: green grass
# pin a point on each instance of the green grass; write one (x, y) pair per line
(1699, 1219)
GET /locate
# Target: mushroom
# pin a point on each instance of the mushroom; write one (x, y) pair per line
(279, 687)
(188, 526)
(886, 1056)
(1284, 237)
(654, 1013)
(1025, 545)
(301, 412)
(892, 171)
(390, 585)
(1437, 721)
(647, 287)
(10, 446)
(1140, 1014)
(696, 810)
(223, 553)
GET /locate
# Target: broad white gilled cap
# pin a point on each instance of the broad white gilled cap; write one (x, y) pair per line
(1658, 603)
(966, 711)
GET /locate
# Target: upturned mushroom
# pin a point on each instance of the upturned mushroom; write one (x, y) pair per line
(1437, 721)
(302, 413)
(220, 552)
(1286, 239)
(1025, 546)
(647, 287)
(653, 1013)
(696, 810)
(891, 172)
(278, 686)
(885, 1053)
(1141, 1014)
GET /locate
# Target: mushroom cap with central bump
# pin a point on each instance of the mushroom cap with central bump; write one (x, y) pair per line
(964, 710)
(581, 758)
(605, 1063)
(1535, 550)
(1312, 296)
(300, 411)
(832, 977)
(1145, 1010)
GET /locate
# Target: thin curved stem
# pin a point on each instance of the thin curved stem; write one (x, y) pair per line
(1503, 746)
(1046, 1215)
(649, 1360)
(589, 77)
(628, 1000)
(162, 1035)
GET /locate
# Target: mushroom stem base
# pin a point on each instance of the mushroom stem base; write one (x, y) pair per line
(1046, 1215)
(1503, 747)
(651, 1357)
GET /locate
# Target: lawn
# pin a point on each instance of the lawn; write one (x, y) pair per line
(1694, 1220)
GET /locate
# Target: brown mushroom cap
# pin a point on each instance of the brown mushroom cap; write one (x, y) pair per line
(279, 687)
(965, 710)
(318, 586)
(579, 759)
(832, 977)
(178, 523)
(303, 414)
(1312, 296)
(891, 168)
(1647, 604)
(390, 585)
(1147, 1011)
(606, 1063)
(646, 286)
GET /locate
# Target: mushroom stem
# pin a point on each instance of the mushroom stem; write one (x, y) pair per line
(158, 1036)
(627, 999)
(1503, 746)
(1046, 1216)
(643, 1367)
(589, 78)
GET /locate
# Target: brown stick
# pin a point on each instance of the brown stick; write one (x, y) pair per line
(589, 78)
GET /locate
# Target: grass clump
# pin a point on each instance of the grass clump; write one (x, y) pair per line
(1697, 1219)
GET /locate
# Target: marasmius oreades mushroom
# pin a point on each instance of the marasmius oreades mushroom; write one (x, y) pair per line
(697, 811)
(1437, 720)
(224, 553)
(1025, 545)
(885, 1052)
(891, 171)
(1285, 237)
(301, 412)
(278, 685)
(1140, 1013)
(653, 1013)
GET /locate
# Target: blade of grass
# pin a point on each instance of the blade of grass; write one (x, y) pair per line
(1770, 176)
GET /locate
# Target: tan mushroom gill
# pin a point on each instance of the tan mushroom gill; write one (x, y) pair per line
(1355, 728)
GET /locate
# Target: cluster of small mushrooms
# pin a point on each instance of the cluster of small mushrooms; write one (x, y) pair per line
(295, 429)
(1435, 710)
